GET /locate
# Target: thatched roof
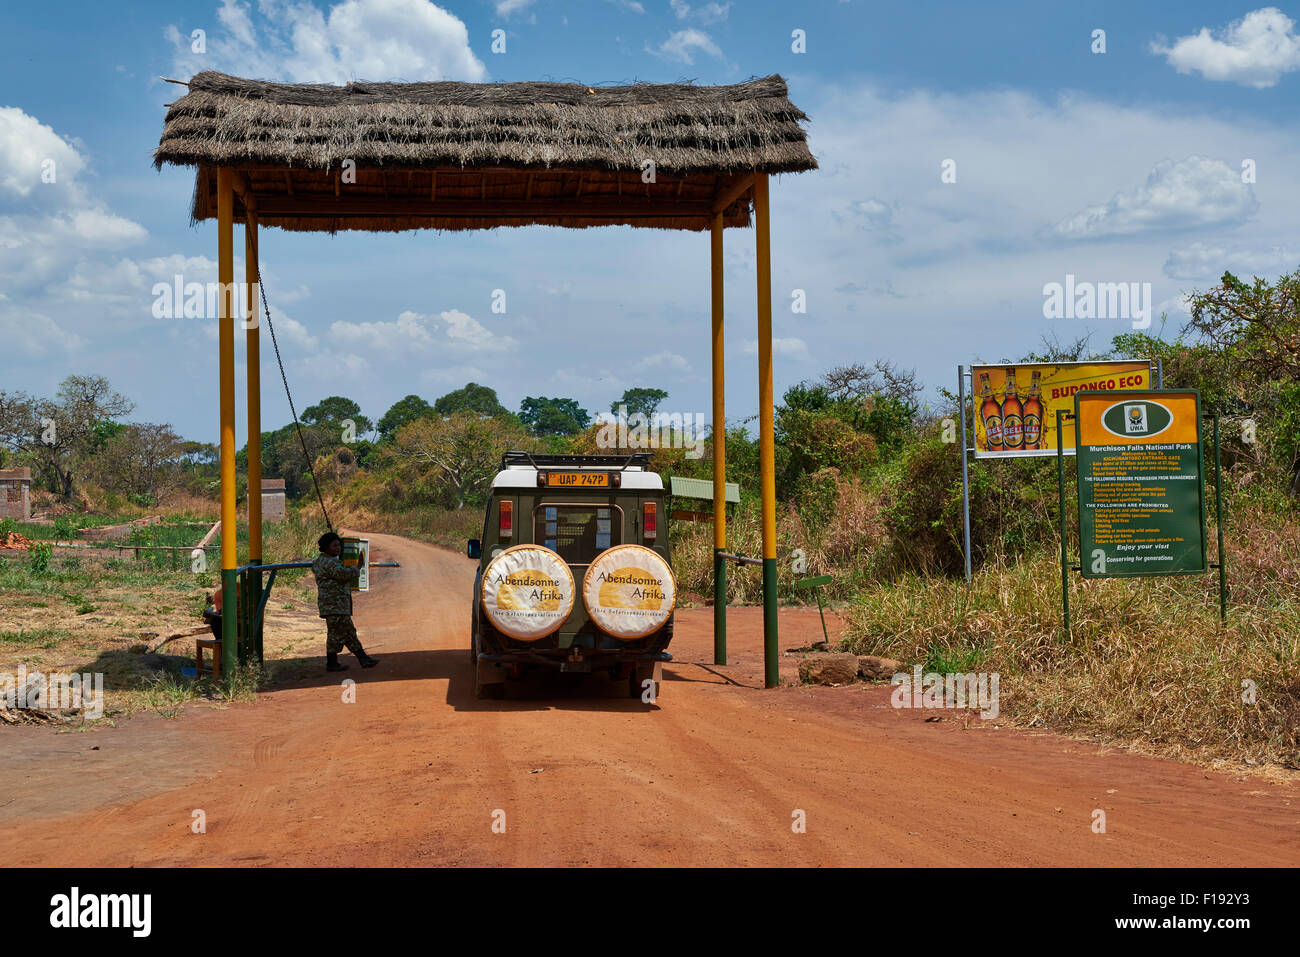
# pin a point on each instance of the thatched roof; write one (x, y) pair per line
(473, 155)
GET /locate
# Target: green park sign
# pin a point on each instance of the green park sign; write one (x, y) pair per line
(1141, 499)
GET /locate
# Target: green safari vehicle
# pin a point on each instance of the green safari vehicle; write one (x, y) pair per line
(574, 572)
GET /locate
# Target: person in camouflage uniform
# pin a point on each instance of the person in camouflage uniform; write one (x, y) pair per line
(334, 603)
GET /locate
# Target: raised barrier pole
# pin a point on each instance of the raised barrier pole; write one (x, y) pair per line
(226, 391)
(719, 452)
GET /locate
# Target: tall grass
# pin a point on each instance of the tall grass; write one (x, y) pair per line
(835, 529)
(1146, 663)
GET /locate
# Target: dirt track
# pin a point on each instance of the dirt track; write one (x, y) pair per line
(413, 772)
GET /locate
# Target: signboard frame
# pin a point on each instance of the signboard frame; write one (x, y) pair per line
(1081, 460)
(1116, 367)
(1155, 367)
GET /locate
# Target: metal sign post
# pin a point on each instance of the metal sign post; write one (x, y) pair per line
(965, 477)
(1065, 556)
(1141, 489)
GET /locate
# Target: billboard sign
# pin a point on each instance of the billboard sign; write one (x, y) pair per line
(1015, 405)
(1141, 504)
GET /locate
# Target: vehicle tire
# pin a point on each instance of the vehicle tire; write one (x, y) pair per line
(492, 692)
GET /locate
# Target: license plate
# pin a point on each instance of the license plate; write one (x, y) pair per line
(577, 479)
(575, 666)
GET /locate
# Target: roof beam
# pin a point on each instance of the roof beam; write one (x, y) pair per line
(278, 206)
(733, 192)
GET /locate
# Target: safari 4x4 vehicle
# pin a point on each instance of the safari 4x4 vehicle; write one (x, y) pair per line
(574, 572)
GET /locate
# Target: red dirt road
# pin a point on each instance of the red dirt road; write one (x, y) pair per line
(414, 771)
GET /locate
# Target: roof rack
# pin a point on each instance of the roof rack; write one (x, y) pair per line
(551, 460)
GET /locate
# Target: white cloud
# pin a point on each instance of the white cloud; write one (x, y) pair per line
(875, 213)
(665, 360)
(32, 335)
(355, 40)
(465, 330)
(682, 45)
(292, 331)
(1176, 307)
(1209, 261)
(98, 227)
(1253, 51)
(412, 332)
(506, 8)
(47, 228)
(1192, 192)
(705, 12)
(409, 330)
(26, 144)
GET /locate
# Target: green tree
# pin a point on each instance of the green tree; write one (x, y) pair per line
(334, 411)
(61, 434)
(475, 398)
(557, 416)
(1256, 325)
(403, 412)
(461, 450)
(640, 400)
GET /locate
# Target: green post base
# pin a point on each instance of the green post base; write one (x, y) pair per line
(771, 661)
(719, 608)
(254, 601)
(229, 622)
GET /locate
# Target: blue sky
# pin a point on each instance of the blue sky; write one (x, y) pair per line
(1122, 166)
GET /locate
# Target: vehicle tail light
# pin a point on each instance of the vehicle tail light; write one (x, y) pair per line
(650, 525)
(507, 519)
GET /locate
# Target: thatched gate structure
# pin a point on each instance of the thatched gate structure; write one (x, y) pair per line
(446, 155)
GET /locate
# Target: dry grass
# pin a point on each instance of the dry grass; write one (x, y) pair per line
(1147, 664)
(842, 541)
(92, 614)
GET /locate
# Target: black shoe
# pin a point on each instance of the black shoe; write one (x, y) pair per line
(332, 663)
(367, 661)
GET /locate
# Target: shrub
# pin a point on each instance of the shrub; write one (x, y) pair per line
(38, 556)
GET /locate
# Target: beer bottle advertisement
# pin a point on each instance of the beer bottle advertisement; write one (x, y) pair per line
(1011, 420)
(1032, 424)
(1141, 500)
(1012, 415)
(990, 414)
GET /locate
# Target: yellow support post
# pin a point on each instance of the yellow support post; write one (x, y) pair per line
(766, 444)
(226, 366)
(719, 453)
(253, 360)
(253, 363)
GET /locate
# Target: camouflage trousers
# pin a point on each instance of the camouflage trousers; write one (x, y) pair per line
(340, 633)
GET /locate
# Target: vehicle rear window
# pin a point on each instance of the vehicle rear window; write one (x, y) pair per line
(577, 532)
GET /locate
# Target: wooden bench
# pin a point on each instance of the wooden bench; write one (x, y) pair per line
(213, 645)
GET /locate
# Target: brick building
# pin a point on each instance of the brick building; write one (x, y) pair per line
(16, 494)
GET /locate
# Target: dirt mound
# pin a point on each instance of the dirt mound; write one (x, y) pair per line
(12, 540)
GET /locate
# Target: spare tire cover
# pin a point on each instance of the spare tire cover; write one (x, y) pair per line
(629, 591)
(528, 592)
